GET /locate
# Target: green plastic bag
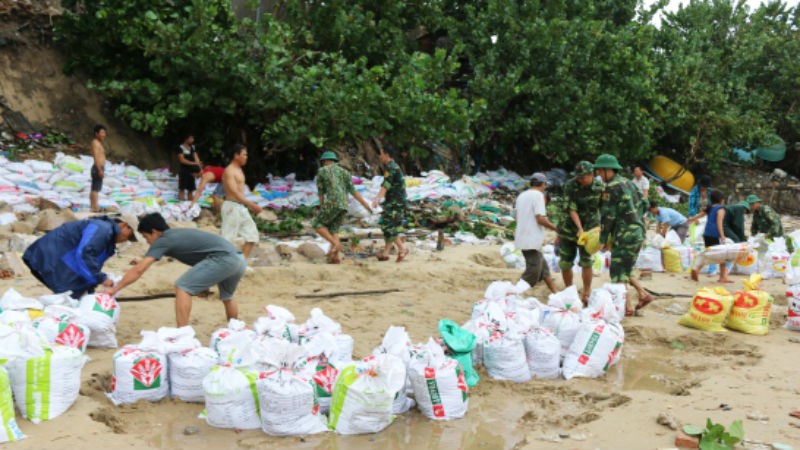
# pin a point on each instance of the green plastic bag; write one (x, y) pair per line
(460, 344)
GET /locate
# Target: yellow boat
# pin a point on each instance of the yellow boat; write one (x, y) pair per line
(667, 169)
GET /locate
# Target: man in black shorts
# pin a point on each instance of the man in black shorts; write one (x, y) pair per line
(98, 168)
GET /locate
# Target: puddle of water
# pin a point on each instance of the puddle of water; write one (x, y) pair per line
(647, 373)
(487, 425)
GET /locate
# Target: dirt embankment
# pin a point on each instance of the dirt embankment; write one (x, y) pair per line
(33, 84)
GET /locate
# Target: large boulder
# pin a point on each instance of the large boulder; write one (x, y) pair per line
(50, 219)
(311, 251)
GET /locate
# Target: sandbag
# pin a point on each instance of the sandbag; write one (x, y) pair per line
(288, 405)
(590, 240)
(231, 398)
(138, 375)
(397, 343)
(793, 308)
(364, 393)
(543, 353)
(45, 387)
(672, 260)
(709, 309)
(504, 357)
(649, 259)
(439, 384)
(747, 265)
(751, 309)
(724, 253)
(187, 369)
(100, 312)
(10, 431)
(512, 257)
(460, 344)
(234, 344)
(596, 346)
(60, 326)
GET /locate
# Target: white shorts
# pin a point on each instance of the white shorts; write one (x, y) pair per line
(237, 223)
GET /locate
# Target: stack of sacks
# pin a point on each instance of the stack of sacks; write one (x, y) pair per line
(60, 326)
(286, 397)
(751, 308)
(364, 394)
(439, 383)
(318, 323)
(397, 343)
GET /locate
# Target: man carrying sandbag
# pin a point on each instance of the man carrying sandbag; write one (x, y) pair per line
(214, 260)
(621, 226)
(582, 194)
(767, 221)
(70, 258)
(733, 221)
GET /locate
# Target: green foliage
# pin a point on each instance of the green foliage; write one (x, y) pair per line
(289, 222)
(716, 437)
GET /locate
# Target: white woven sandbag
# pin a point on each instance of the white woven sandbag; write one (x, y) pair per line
(288, 404)
(139, 375)
(10, 430)
(100, 312)
(619, 295)
(504, 358)
(439, 385)
(594, 350)
(344, 348)
(62, 299)
(649, 259)
(231, 398)
(793, 308)
(63, 331)
(602, 307)
(234, 344)
(397, 343)
(46, 386)
(187, 369)
(363, 395)
(543, 353)
(564, 323)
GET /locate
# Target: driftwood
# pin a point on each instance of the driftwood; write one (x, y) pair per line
(665, 295)
(141, 298)
(339, 294)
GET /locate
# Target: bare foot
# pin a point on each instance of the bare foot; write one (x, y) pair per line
(402, 254)
(644, 301)
(725, 280)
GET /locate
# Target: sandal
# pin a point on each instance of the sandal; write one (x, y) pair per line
(402, 254)
(382, 257)
(644, 301)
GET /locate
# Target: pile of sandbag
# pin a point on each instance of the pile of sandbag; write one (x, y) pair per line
(520, 338)
(715, 309)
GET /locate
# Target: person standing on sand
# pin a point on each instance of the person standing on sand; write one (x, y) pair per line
(641, 181)
(767, 221)
(714, 234)
(236, 220)
(393, 192)
(582, 195)
(189, 166)
(98, 168)
(621, 226)
(213, 259)
(531, 217)
(334, 183)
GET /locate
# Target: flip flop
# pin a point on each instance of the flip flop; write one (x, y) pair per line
(644, 301)
(402, 255)
(382, 257)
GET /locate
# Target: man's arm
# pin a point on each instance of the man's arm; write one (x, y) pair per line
(229, 179)
(720, 225)
(381, 195)
(576, 219)
(199, 191)
(361, 200)
(545, 222)
(132, 275)
(182, 159)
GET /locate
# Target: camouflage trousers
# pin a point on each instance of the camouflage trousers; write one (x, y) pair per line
(625, 247)
(567, 250)
(391, 220)
(330, 218)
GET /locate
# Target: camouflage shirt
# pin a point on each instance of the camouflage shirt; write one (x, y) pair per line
(334, 183)
(620, 206)
(395, 184)
(585, 200)
(766, 221)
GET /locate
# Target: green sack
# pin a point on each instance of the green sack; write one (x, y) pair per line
(460, 344)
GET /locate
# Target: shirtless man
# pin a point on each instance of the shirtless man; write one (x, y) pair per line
(236, 220)
(99, 155)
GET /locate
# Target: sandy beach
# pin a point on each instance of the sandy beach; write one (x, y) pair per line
(665, 367)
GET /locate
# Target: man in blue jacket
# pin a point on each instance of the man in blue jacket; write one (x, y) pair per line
(71, 257)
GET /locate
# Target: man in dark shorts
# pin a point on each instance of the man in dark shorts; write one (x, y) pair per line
(531, 215)
(214, 260)
(98, 167)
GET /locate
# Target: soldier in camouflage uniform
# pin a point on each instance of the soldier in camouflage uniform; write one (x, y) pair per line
(621, 226)
(393, 192)
(581, 205)
(333, 185)
(767, 221)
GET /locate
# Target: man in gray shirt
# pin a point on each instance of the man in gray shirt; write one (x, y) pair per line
(214, 260)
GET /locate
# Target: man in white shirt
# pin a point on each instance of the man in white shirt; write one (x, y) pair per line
(529, 234)
(641, 181)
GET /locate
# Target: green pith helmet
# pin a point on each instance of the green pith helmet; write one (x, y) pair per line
(744, 204)
(584, 168)
(328, 155)
(752, 198)
(606, 161)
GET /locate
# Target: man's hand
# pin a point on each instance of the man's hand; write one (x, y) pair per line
(580, 232)
(375, 202)
(255, 208)
(108, 282)
(101, 172)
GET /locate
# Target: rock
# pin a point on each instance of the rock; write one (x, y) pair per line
(15, 264)
(667, 420)
(50, 219)
(264, 257)
(311, 251)
(47, 204)
(23, 227)
(284, 251)
(778, 445)
(795, 340)
(267, 215)
(188, 431)
(682, 440)
(755, 415)
(20, 242)
(563, 435)
(675, 309)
